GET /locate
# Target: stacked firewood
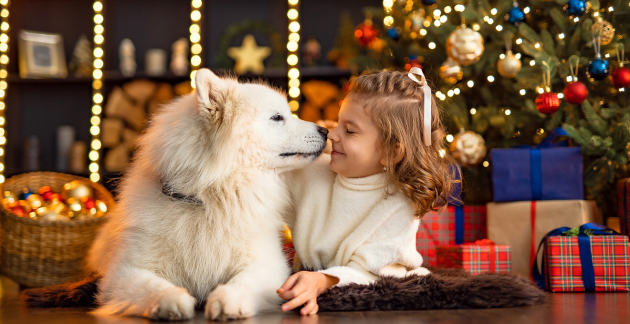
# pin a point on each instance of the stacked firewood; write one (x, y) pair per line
(322, 101)
(126, 111)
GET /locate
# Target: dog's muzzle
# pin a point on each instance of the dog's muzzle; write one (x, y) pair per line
(323, 132)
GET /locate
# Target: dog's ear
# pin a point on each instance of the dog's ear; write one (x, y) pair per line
(209, 93)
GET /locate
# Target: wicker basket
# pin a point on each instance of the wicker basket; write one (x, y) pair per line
(44, 253)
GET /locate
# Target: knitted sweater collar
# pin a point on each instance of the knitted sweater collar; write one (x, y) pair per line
(374, 182)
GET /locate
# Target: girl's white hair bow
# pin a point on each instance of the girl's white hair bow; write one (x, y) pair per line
(427, 103)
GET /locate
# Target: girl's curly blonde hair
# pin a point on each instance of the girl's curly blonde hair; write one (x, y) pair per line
(395, 102)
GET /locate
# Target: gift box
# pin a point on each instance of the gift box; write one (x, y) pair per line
(511, 224)
(453, 225)
(589, 258)
(525, 174)
(479, 257)
(623, 205)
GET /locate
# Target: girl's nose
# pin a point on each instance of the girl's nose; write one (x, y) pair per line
(333, 134)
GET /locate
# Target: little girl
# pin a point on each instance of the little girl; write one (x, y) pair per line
(357, 210)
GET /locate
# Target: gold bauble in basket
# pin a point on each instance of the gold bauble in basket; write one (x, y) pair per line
(46, 248)
(76, 189)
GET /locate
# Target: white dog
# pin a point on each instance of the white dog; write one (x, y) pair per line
(201, 207)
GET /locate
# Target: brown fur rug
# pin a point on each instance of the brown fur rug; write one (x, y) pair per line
(443, 289)
(439, 290)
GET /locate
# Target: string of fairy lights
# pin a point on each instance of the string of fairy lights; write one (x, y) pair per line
(292, 58)
(97, 95)
(4, 60)
(195, 39)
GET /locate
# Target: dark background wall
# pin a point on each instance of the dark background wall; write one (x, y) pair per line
(39, 107)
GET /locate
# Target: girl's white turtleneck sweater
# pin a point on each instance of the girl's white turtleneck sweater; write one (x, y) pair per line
(350, 228)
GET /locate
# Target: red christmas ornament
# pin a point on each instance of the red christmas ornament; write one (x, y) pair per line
(366, 33)
(90, 203)
(575, 92)
(18, 210)
(620, 78)
(412, 63)
(547, 103)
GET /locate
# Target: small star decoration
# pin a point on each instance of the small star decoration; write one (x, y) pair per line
(249, 57)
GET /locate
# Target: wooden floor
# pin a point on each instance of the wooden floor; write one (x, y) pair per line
(560, 308)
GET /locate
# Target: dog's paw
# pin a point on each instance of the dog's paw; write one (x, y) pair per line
(172, 304)
(419, 271)
(228, 302)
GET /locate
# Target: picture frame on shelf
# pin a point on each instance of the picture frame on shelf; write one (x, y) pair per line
(41, 55)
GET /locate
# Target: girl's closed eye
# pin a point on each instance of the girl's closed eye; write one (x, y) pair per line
(349, 131)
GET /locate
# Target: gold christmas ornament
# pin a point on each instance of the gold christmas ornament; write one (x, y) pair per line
(450, 71)
(249, 56)
(35, 201)
(50, 215)
(468, 148)
(604, 29)
(101, 208)
(76, 189)
(464, 45)
(509, 65)
(10, 199)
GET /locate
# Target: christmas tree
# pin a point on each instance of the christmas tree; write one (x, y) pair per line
(513, 71)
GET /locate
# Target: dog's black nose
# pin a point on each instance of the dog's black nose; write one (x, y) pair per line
(322, 131)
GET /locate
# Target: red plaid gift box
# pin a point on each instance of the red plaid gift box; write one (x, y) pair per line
(438, 228)
(610, 256)
(479, 257)
(623, 205)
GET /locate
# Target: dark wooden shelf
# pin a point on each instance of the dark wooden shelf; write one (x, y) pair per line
(117, 77)
(16, 79)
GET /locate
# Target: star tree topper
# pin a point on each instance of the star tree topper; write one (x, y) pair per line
(249, 57)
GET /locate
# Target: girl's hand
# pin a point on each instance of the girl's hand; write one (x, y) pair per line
(303, 288)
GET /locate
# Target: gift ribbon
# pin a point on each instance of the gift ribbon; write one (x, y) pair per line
(459, 224)
(492, 251)
(583, 234)
(532, 256)
(535, 161)
(624, 218)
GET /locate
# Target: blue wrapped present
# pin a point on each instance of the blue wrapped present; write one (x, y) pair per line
(525, 174)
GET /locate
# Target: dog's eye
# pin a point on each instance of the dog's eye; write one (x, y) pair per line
(277, 118)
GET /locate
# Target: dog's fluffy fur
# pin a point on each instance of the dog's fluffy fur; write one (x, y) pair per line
(225, 145)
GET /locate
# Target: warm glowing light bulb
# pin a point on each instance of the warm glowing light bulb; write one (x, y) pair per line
(195, 15)
(294, 26)
(292, 14)
(294, 73)
(292, 46)
(292, 59)
(195, 60)
(294, 92)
